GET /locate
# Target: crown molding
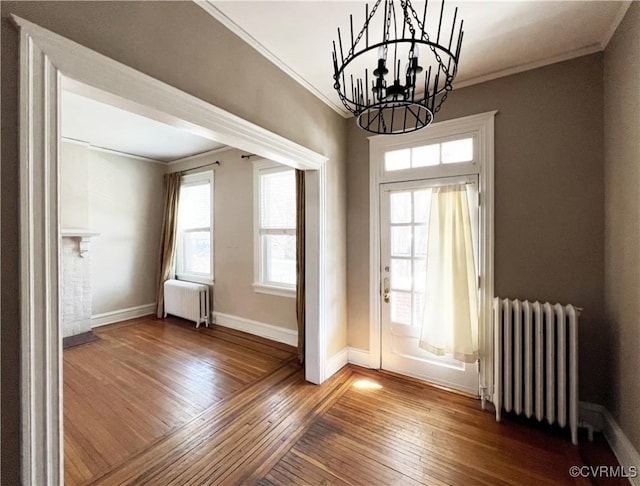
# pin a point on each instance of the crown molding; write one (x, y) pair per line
(583, 51)
(96, 148)
(211, 9)
(622, 11)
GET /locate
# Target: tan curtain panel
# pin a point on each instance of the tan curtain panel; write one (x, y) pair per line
(169, 235)
(300, 289)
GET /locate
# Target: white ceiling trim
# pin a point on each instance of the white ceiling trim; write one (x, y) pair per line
(584, 51)
(212, 10)
(622, 10)
(111, 151)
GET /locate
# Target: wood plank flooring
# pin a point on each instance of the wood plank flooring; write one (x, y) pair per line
(147, 377)
(267, 426)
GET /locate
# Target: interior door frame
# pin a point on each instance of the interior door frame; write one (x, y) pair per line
(47, 60)
(481, 128)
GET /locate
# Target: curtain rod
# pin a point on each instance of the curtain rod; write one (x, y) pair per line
(217, 162)
(440, 184)
(248, 156)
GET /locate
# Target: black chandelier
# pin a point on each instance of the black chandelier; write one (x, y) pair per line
(392, 98)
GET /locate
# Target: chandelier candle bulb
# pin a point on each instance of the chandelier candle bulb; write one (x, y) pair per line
(397, 100)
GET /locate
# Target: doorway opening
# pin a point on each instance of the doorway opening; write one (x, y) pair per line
(48, 61)
(405, 173)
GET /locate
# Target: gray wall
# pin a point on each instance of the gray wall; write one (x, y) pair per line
(121, 198)
(549, 193)
(233, 242)
(622, 219)
(178, 43)
(74, 186)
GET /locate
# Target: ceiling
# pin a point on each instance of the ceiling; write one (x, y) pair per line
(500, 38)
(105, 126)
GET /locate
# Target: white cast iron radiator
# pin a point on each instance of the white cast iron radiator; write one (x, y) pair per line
(536, 361)
(187, 300)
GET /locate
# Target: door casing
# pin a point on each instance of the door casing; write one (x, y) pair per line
(481, 127)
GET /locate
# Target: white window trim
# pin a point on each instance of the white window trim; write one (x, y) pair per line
(259, 286)
(187, 180)
(481, 128)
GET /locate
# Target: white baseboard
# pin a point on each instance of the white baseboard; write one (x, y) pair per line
(105, 318)
(348, 355)
(621, 446)
(336, 362)
(602, 421)
(269, 331)
(359, 357)
(591, 414)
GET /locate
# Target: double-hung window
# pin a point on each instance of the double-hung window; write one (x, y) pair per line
(275, 229)
(194, 259)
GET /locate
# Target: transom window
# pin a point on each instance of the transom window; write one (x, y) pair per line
(451, 152)
(275, 233)
(194, 257)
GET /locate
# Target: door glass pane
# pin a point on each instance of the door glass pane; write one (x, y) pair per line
(421, 204)
(400, 274)
(401, 307)
(401, 207)
(420, 238)
(419, 274)
(457, 151)
(401, 241)
(425, 156)
(397, 160)
(418, 309)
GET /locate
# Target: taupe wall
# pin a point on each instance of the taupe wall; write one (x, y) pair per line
(233, 242)
(549, 222)
(622, 219)
(178, 43)
(125, 207)
(121, 198)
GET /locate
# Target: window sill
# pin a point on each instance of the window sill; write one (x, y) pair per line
(273, 290)
(195, 279)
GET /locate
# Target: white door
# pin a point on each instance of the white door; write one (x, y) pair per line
(404, 220)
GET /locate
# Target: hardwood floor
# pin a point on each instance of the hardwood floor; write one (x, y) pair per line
(144, 379)
(180, 407)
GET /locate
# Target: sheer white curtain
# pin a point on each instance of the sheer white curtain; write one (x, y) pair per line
(450, 319)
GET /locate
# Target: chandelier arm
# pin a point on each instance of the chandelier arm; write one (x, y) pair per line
(396, 75)
(440, 23)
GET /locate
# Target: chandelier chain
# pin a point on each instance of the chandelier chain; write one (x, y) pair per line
(364, 28)
(407, 19)
(425, 34)
(433, 49)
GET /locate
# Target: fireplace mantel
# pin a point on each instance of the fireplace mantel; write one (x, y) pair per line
(83, 235)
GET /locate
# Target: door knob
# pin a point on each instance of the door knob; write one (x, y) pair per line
(386, 293)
